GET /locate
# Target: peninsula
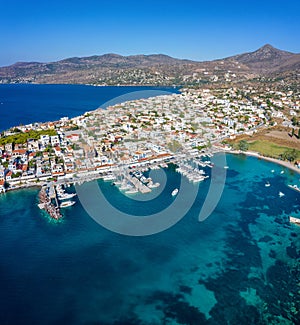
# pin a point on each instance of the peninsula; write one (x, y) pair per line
(149, 131)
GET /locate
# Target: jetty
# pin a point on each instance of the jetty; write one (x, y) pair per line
(46, 196)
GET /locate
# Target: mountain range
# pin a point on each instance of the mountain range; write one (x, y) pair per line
(157, 69)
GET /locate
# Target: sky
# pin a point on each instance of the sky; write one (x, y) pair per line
(48, 31)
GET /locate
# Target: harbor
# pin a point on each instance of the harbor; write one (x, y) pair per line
(130, 179)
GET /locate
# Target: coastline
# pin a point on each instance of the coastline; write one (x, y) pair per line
(273, 160)
(100, 175)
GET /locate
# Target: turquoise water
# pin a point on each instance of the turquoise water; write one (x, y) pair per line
(239, 266)
(27, 103)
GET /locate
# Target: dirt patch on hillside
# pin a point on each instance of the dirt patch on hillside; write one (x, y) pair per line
(279, 136)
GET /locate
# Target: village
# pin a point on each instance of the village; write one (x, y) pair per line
(137, 132)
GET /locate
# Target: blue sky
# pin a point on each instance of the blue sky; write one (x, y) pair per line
(198, 30)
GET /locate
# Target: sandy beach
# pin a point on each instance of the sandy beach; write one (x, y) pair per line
(276, 161)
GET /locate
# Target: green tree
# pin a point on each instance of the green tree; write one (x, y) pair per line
(298, 134)
(294, 121)
(31, 164)
(243, 145)
(16, 175)
(290, 155)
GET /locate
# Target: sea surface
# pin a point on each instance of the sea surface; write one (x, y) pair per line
(27, 103)
(239, 266)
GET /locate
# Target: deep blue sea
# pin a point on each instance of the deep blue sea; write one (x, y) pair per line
(239, 266)
(26, 103)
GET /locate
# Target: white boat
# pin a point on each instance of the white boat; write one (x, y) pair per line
(198, 179)
(281, 194)
(66, 204)
(294, 187)
(174, 192)
(126, 186)
(226, 167)
(267, 184)
(66, 196)
(109, 178)
(133, 191)
(295, 220)
(153, 185)
(282, 172)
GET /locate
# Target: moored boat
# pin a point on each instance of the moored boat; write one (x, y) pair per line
(66, 204)
(66, 196)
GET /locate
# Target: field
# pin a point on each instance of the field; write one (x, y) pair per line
(269, 149)
(271, 142)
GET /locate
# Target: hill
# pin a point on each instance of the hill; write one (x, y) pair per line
(157, 69)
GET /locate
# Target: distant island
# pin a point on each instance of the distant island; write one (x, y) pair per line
(265, 65)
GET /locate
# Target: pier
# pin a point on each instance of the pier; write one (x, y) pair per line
(46, 195)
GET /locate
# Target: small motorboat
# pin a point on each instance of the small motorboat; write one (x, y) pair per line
(175, 192)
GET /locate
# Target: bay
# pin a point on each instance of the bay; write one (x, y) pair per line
(28, 103)
(240, 265)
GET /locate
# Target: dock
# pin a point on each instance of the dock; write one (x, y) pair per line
(46, 196)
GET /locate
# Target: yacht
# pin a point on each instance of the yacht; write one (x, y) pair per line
(65, 196)
(153, 185)
(281, 194)
(267, 184)
(66, 204)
